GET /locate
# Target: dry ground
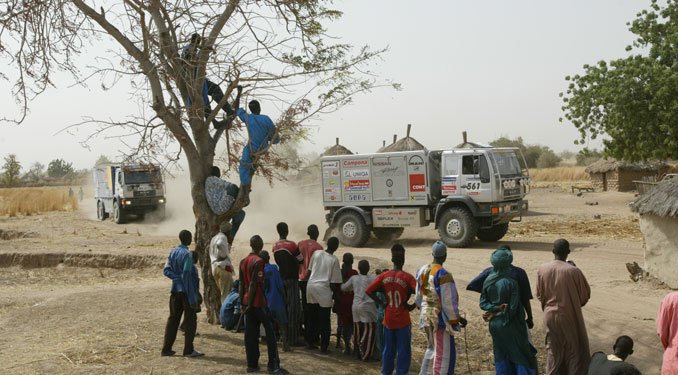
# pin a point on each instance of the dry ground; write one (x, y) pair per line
(82, 296)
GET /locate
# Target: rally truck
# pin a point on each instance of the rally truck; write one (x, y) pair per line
(465, 192)
(128, 189)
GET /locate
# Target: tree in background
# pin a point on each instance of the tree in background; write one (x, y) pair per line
(532, 153)
(587, 156)
(36, 172)
(632, 101)
(59, 168)
(11, 170)
(279, 50)
(103, 159)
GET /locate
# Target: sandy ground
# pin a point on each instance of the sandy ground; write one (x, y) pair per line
(82, 296)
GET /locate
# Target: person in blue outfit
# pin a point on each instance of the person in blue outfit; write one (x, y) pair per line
(520, 276)
(229, 314)
(185, 298)
(274, 289)
(262, 134)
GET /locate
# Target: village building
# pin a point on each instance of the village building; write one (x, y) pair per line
(658, 210)
(619, 175)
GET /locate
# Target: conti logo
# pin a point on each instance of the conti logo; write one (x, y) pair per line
(355, 163)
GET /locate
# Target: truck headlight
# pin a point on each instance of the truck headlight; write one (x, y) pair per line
(128, 203)
(161, 200)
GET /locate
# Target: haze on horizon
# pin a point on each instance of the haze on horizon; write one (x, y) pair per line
(493, 69)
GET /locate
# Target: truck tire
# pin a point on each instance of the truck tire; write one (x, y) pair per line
(493, 234)
(457, 227)
(352, 230)
(118, 213)
(387, 234)
(101, 211)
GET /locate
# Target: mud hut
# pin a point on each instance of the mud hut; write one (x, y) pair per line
(618, 175)
(337, 149)
(405, 144)
(658, 211)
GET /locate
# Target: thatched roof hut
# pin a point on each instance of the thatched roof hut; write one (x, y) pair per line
(405, 144)
(658, 209)
(467, 144)
(618, 175)
(337, 149)
(661, 201)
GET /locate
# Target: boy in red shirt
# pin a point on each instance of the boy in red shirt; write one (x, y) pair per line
(254, 308)
(307, 247)
(397, 285)
(288, 258)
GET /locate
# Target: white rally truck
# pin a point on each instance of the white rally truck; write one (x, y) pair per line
(464, 192)
(128, 189)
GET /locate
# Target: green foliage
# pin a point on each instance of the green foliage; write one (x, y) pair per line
(11, 170)
(532, 153)
(59, 168)
(633, 101)
(548, 159)
(36, 172)
(586, 156)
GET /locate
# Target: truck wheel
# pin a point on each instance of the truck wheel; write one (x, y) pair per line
(352, 230)
(101, 211)
(493, 234)
(457, 227)
(118, 214)
(387, 234)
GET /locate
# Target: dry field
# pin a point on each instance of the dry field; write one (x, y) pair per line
(35, 200)
(82, 296)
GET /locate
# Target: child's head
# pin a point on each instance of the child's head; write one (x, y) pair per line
(364, 267)
(347, 259)
(265, 256)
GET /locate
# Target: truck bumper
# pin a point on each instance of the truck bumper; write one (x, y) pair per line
(142, 205)
(504, 212)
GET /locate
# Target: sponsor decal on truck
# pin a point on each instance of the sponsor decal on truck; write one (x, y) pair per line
(417, 182)
(357, 185)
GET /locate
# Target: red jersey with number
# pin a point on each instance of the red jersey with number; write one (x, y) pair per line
(307, 248)
(287, 257)
(251, 267)
(396, 286)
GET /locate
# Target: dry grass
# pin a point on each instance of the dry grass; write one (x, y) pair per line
(30, 201)
(559, 174)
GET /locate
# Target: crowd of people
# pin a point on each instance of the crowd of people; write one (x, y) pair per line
(292, 302)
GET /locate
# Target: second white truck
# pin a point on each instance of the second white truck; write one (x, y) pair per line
(466, 193)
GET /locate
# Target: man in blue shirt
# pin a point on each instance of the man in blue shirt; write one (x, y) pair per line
(262, 134)
(520, 276)
(229, 314)
(185, 297)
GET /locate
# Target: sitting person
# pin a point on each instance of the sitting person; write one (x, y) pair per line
(229, 314)
(220, 196)
(611, 364)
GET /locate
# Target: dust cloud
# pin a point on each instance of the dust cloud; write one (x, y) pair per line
(298, 206)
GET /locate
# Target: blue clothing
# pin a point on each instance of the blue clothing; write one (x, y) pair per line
(261, 132)
(273, 287)
(506, 367)
(229, 314)
(516, 273)
(179, 267)
(397, 348)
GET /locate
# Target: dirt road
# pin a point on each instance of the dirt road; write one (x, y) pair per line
(90, 296)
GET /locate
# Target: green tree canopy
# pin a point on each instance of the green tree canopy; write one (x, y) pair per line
(11, 170)
(632, 102)
(59, 168)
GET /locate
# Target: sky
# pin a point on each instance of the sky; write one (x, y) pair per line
(492, 68)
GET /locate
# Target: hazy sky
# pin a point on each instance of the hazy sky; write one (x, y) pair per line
(492, 68)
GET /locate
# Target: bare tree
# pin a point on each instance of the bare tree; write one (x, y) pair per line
(277, 49)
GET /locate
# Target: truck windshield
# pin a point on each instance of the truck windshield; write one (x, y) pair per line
(143, 177)
(508, 163)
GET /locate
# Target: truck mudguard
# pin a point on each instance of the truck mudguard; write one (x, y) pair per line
(457, 200)
(366, 216)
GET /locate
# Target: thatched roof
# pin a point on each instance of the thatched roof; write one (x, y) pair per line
(472, 145)
(405, 144)
(661, 201)
(607, 165)
(337, 149)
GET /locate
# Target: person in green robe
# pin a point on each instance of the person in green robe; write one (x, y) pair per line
(500, 299)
